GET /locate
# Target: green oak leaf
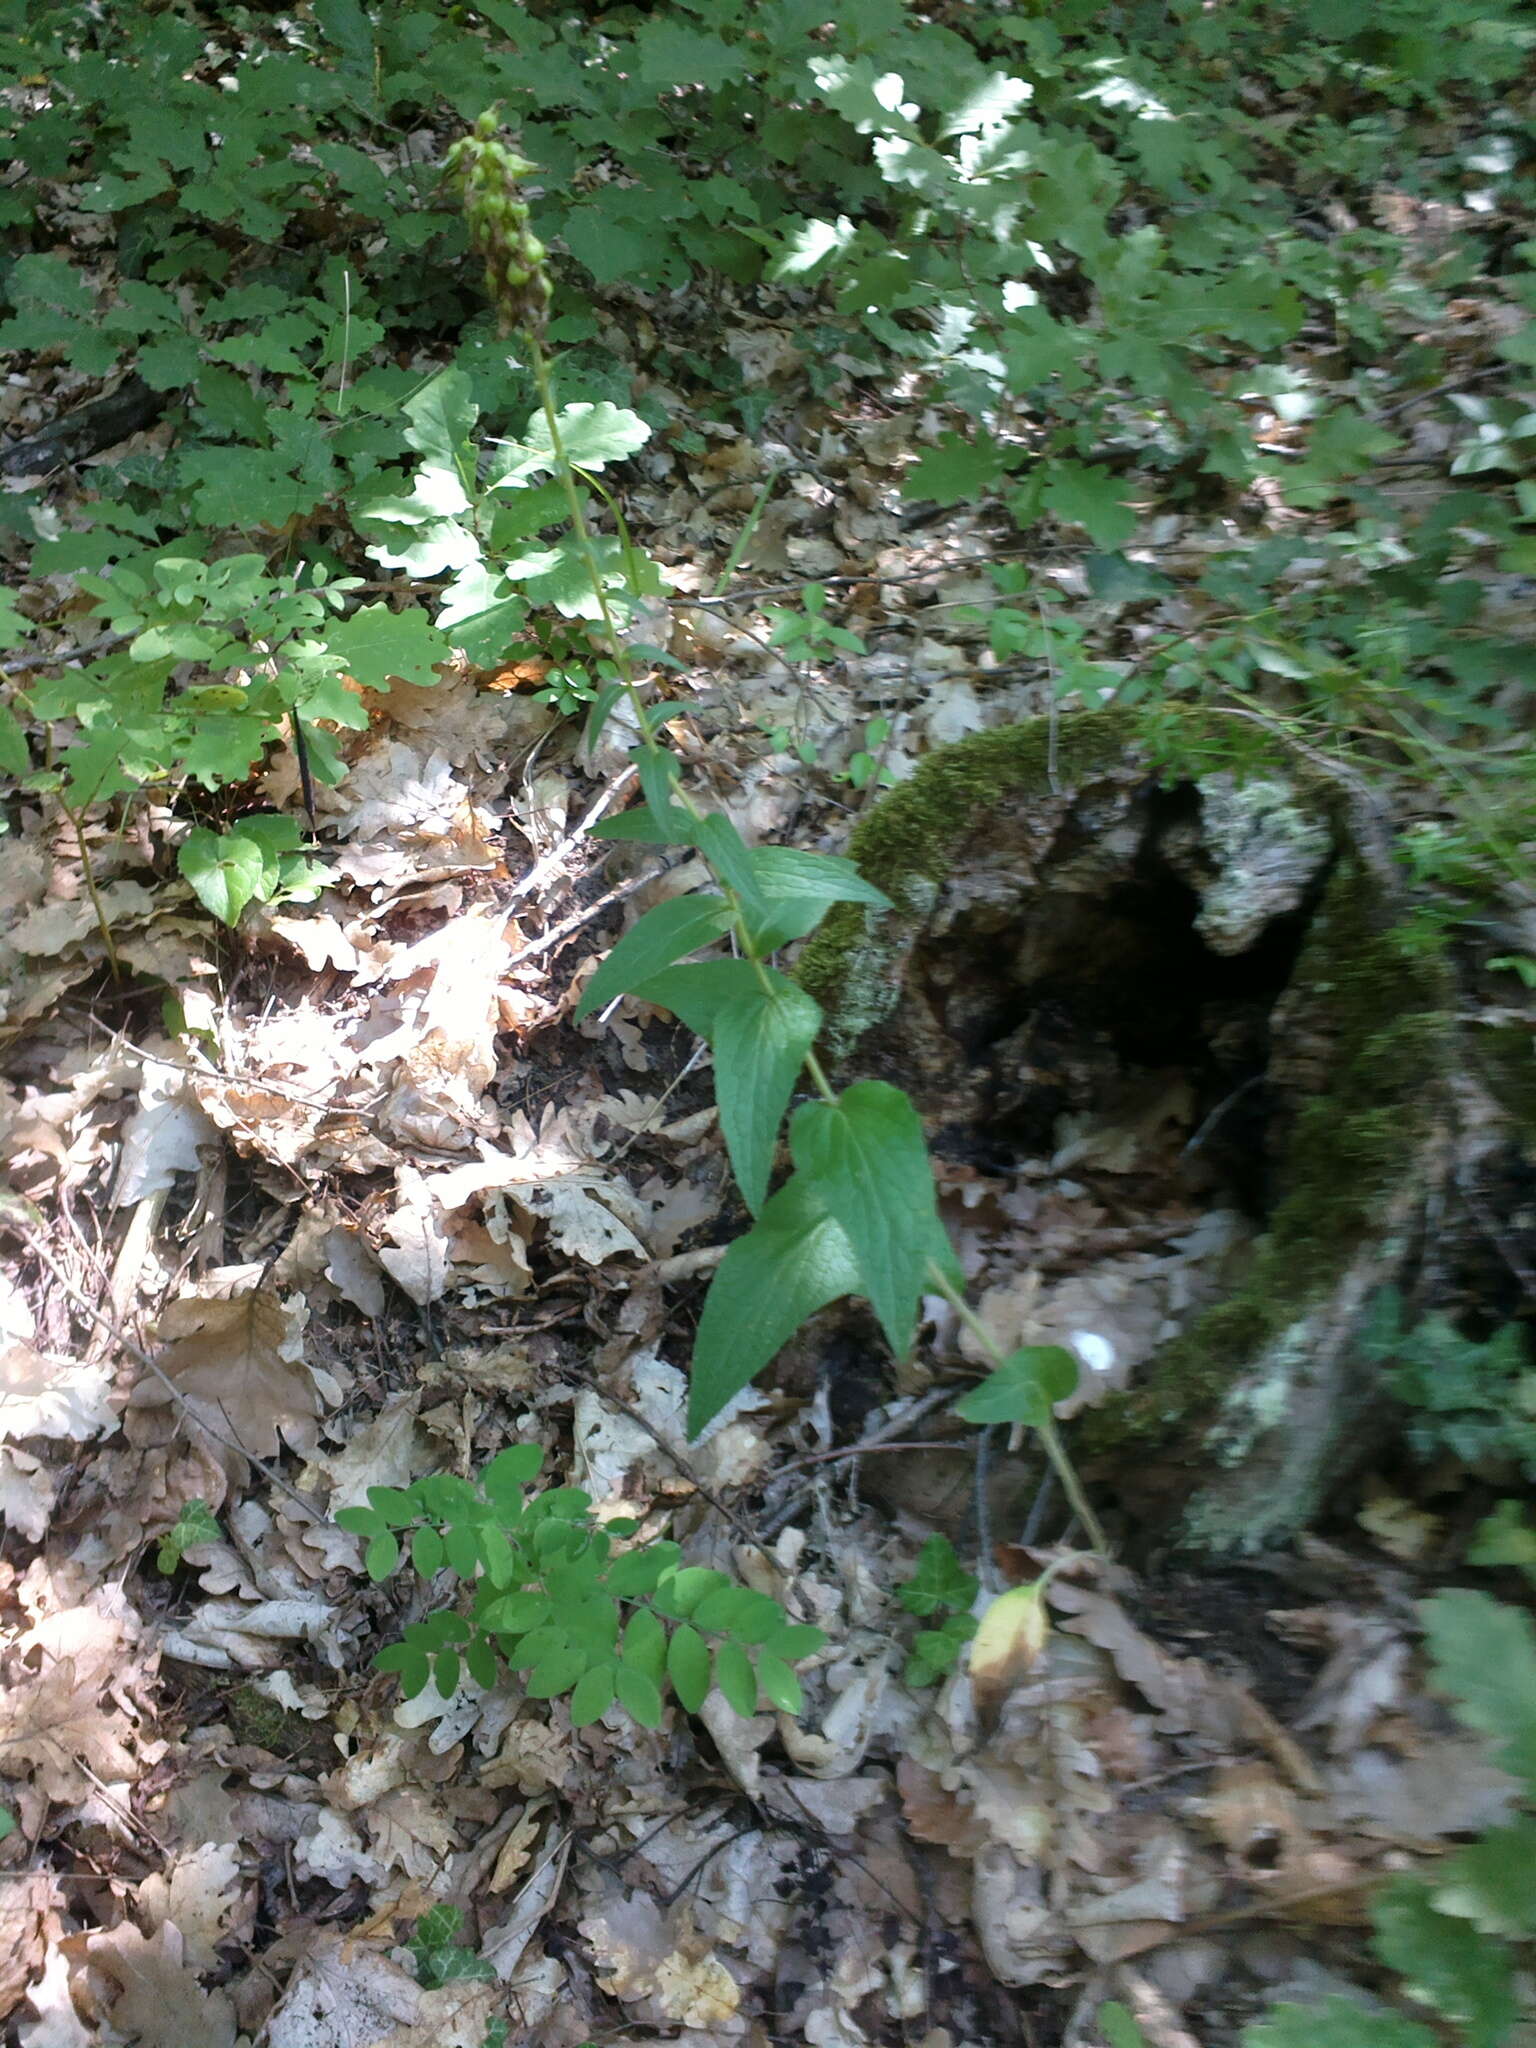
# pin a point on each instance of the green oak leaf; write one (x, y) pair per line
(379, 645)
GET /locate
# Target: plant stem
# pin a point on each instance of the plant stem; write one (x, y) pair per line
(1046, 1430)
(90, 883)
(1054, 1448)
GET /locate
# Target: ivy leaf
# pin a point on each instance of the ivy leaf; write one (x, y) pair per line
(226, 871)
(664, 934)
(867, 1159)
(792, 1262)
(938, 1580)
(378, 646)
(1025, 1387)
(760, 1036)
(1485, 1657)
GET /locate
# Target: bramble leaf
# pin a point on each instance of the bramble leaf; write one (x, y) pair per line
(1485, 1658)
(1445, 1962)
(1492, 1882)
(1336, 2023)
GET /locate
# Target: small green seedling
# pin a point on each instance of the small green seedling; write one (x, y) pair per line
(942, 1590)
(807, 633)
(195, 1524)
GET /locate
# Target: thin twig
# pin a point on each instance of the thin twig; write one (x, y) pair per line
(60, 657)
(542, 869)
(560, 932)
(142, 1358)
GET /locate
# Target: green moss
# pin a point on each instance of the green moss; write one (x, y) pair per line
(907, 843)
(257, 1720)
(1507, 1061)
(1385, 1008)
(1390, 1014)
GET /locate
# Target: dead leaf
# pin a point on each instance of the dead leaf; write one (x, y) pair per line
(57, 2024)
(53, 1724)
(29, 1922)
(1006, 1647)
(159, 2002)
(343, 1994)
(237, 1364)
(200, 1895)
(42, 1395)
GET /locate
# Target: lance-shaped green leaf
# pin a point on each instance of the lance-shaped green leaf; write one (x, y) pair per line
(642, 824)
(796, 888)
(731, 858)
(658, 821)
(866, 1157)
(760, 1036)
(667, 933)
(793, 1261)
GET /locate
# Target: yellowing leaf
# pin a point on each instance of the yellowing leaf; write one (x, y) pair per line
(1007, 1645)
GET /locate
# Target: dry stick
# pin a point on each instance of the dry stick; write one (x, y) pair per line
(557, 933)
(142, 1358)
(60, 657)
(876, 1440)
(545, 867)
(671, 1454)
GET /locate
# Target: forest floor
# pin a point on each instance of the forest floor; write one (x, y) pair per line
(343, 1195)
